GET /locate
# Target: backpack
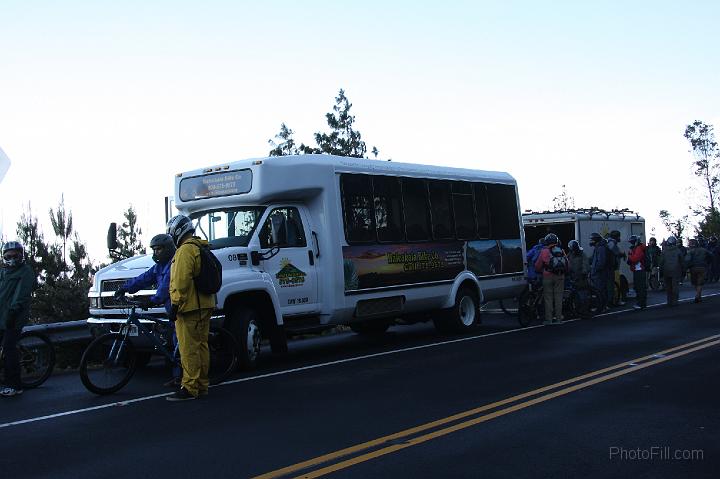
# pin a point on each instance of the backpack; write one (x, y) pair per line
(209, 280)
(558, 262)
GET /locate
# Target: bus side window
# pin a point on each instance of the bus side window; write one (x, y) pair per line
(441, 211)
(358, 211)
(481, 210)
(283, 228)
(295, 232)
(416, 209)
(388, 209)
(504, 220)
(463, 210)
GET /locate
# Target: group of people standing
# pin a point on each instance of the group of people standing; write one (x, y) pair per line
(177, 264)
(553, 268)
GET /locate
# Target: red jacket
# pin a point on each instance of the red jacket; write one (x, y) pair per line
(636, 259)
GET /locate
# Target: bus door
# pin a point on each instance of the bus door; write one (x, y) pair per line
(293, 268)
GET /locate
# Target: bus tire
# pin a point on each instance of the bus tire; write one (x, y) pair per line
(464, 316)
(244, 324)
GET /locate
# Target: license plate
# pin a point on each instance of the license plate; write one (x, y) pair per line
(133, 330)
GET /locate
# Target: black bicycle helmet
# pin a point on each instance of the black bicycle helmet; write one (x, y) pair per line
(551, 239)
(13, 260)
(163, 248)
(595, 238)
(615, 234)
(574, 246)
(633, 239)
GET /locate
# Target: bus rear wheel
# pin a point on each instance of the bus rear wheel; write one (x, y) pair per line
(463, 317)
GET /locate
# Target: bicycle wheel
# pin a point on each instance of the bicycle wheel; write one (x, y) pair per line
(570, 304)
(37, 359)
(654, 281)
(107, 364)
(527, 308)
(223, 355)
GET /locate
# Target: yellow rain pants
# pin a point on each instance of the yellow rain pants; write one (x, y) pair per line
(192, 329)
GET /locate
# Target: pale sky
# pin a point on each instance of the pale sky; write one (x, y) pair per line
(105, 101)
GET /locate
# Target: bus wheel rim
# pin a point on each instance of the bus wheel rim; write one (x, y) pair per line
(467, 311)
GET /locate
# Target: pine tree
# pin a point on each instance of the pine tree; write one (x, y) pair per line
(129, 236)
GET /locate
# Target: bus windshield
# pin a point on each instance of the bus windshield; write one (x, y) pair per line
(229, 226)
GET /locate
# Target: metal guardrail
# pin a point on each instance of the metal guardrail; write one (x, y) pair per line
(65, 332)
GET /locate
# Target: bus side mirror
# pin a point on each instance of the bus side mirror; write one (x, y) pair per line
(112, 243)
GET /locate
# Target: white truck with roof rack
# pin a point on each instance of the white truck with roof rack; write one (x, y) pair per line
(313, 241)
(579, 224)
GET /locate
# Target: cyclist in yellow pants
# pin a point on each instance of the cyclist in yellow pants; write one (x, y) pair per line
(191, 310)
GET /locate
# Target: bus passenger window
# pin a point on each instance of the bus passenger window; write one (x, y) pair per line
(463, 210)
(441, 212)
(481, 210)
(358, 214)
(504, 220)
(388, 209)
(415, 207)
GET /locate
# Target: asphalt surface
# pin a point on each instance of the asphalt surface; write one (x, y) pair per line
(588, 398)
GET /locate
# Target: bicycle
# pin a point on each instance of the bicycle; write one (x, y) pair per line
(530, 305)
(37, 358)
(576, 303)
(111, 359)
(580, 302)
(655, 279)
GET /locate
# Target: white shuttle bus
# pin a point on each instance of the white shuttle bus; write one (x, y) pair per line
(309, 242)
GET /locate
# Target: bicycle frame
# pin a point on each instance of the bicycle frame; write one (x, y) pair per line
(134, 319)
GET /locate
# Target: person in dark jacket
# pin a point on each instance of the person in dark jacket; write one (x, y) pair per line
(714, 249)
(599, 271)
(163, 249)
(16, 283)
(637, 262)
(696, 260)
(672, 264)
(578, 270)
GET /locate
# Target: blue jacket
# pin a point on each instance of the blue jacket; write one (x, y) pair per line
(159, 274)
(598, 263)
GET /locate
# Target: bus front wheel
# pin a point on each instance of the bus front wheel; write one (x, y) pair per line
(244, 324)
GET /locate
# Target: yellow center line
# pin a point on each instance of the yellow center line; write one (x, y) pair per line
(473, 422)
(440, 422)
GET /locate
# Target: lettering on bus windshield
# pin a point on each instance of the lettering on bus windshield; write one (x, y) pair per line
(216, 184)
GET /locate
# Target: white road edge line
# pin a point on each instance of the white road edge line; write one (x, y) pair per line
(307, 368)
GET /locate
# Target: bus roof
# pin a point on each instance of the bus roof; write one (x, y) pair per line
(288, 177)
(342, 164)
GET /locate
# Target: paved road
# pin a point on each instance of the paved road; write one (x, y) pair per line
(629, 394)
